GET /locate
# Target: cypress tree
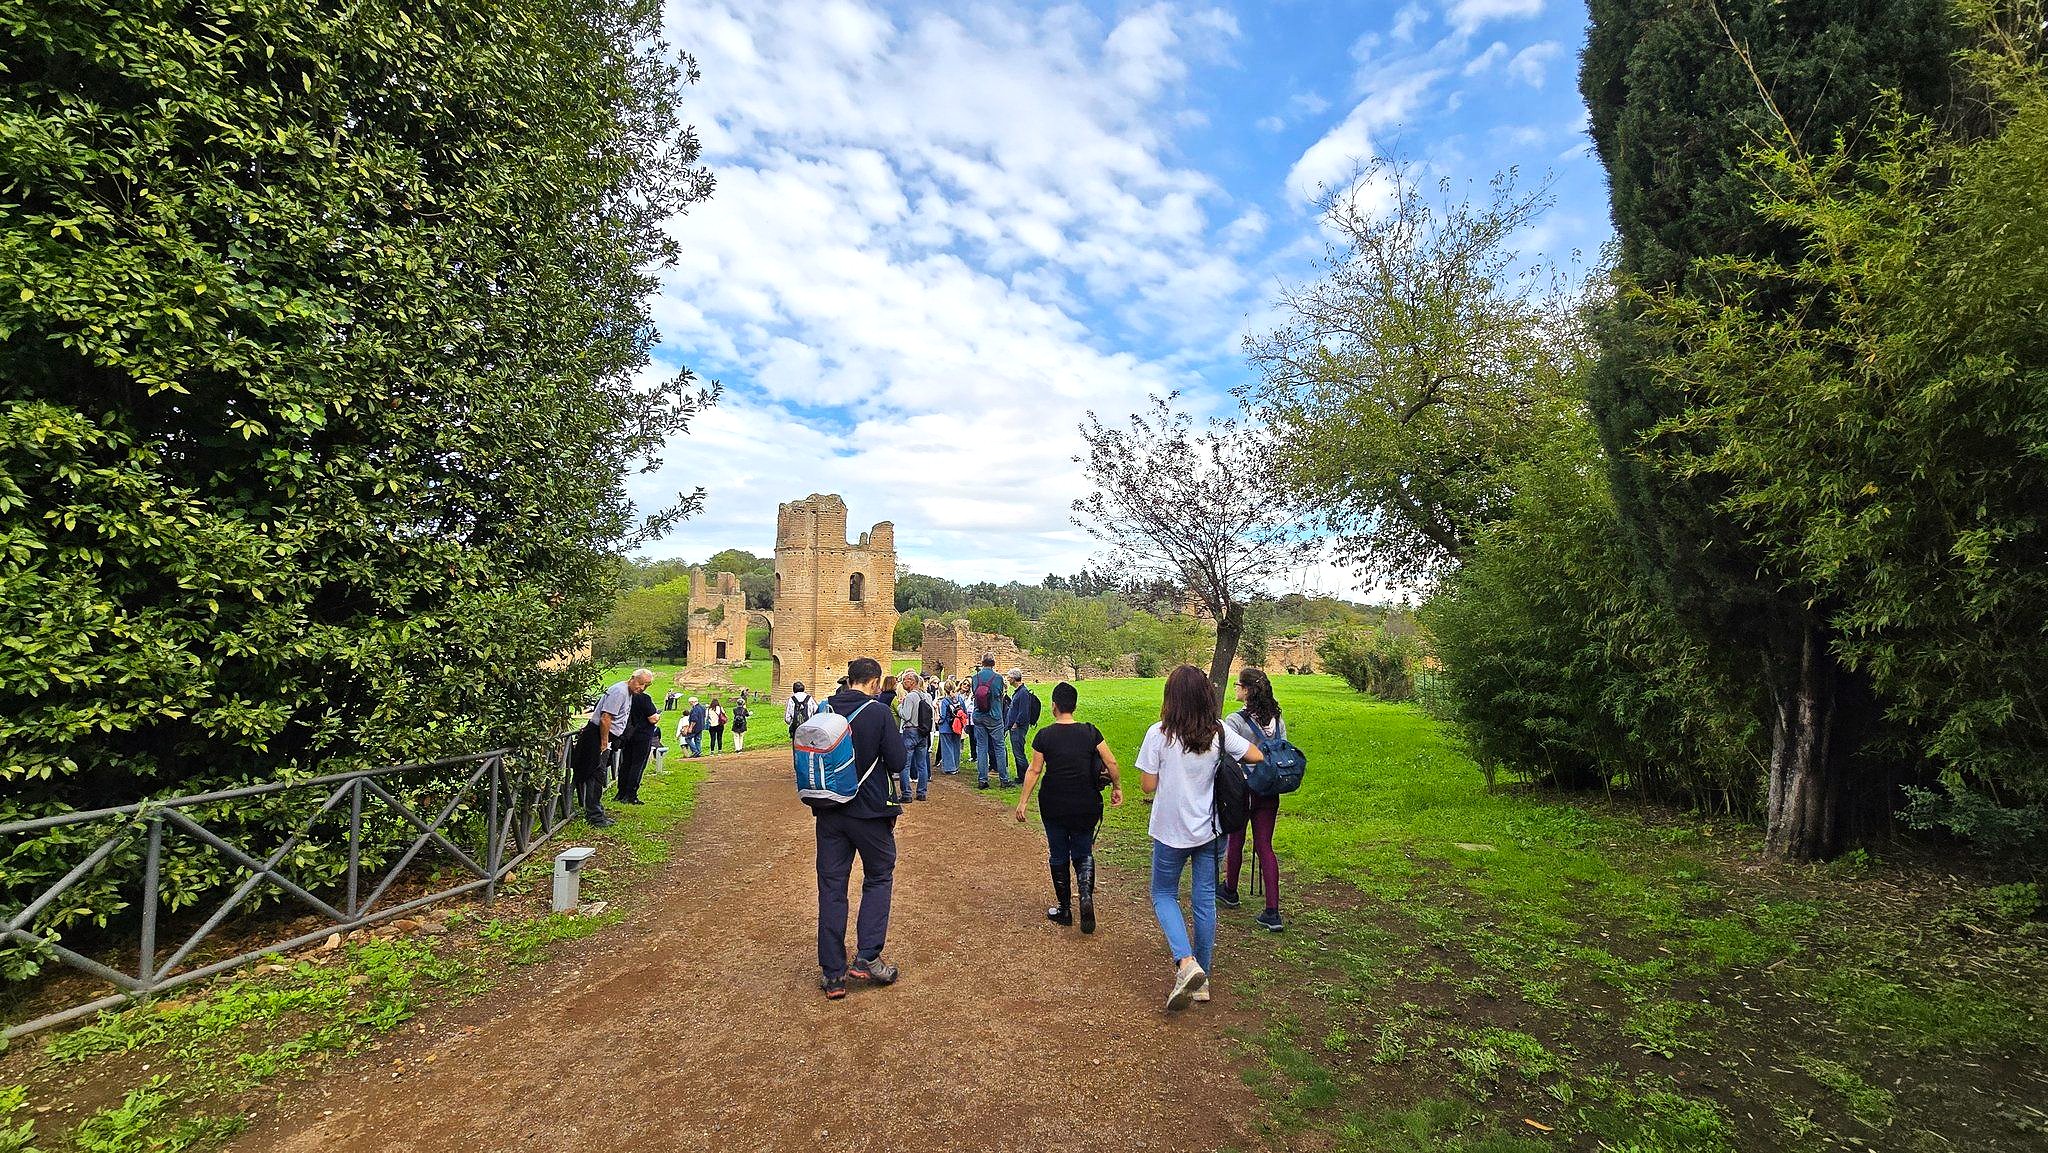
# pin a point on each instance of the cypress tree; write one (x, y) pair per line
(1678, 90)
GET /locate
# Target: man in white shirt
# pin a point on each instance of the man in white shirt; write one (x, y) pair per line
(592, 750)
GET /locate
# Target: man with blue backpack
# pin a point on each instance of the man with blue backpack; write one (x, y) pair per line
(986, 692)
(845, 760)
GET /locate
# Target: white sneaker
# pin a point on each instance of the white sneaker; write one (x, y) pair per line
(1186, 983)
(1201, 996)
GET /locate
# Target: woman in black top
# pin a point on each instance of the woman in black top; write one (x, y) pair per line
(643, 727)
(1064, 755)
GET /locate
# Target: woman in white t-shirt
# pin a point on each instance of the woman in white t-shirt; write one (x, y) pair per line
(1178, 764)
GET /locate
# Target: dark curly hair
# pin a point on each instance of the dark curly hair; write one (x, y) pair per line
(1258, 696)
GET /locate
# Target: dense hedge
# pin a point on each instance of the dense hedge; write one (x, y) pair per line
(319, 328)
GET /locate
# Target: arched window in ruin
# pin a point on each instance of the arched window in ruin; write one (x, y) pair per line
(856, 587)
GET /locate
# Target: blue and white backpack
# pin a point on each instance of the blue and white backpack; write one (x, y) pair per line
(825, 769)
(1284, 766)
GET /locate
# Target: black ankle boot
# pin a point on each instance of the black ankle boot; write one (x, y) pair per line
(1063, 888)
(1085, 874)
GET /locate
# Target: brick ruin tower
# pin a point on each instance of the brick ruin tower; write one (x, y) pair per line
(834, 599)
(717, 623)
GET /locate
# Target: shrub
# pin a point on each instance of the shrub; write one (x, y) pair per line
(1374, 661)
(318, 380)
(1558, 666)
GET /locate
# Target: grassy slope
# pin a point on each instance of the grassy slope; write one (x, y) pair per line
(1625, 978)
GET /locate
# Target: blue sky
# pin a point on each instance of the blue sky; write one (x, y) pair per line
(943, 232)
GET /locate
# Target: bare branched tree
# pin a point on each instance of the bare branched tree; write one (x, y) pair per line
(1196, 507)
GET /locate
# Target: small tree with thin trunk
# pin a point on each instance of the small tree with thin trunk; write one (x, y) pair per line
(1197, 507)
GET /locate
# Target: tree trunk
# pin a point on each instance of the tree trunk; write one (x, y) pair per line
(1805, 813)
(1229, 630)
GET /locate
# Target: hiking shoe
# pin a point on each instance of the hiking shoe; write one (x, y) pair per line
(835, 987)
(1186, 982)
(1059, 915)
(1226, 895)
(877, 971)
(1270, 919)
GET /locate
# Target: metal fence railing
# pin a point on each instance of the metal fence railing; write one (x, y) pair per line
(516, 808)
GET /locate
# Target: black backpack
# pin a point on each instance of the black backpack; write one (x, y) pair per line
(1233, 795)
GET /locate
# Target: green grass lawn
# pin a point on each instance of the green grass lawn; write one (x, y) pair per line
(1460, 960)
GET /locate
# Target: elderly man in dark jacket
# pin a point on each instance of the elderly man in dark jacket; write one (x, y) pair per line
(865, 825)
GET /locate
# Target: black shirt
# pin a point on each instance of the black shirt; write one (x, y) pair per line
(640, 720)
(1067, 792)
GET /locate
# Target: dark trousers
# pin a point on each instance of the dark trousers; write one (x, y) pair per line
(717, 738)
(633, 766)
(1265, 813)
(1068, 842)
(1019, 757)
(588, 769)
(839, 838)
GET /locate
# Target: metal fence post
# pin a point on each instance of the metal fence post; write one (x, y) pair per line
(152, 872)
(494, 846)
(355, 844)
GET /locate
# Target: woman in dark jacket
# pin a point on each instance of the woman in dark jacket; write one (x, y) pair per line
(1063, 755)
(643, 728)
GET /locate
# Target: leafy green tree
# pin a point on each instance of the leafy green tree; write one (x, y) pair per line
(909, 635)
(319, 334)
(1677, 93)
(645, 624)
(1003, 620)
(1076, 630)
(1161, 642)
(1259, 619)
(918, 591)
(1425, 360)
(1875, 410)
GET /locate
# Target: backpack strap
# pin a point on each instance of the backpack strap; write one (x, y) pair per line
(878, 756)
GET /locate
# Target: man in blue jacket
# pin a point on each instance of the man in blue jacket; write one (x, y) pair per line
(985, 692)
(865, 825)
(1021, 717)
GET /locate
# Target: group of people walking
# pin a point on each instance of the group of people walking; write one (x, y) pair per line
(1069, 766)
(702, 721)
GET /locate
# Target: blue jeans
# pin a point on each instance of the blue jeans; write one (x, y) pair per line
(917, 763)
(695, 743)
(949, 752)
(1019, 757)
(1074, 843)
(1167, 863)
(988, 749)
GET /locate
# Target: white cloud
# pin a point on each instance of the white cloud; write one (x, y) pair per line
(922, 224)
(1532, 64)
(1466, 16)
(1271, 124)
(1494, 54)
(1407, 20)
(1393, 96)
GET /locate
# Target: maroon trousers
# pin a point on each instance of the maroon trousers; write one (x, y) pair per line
(1265, 811)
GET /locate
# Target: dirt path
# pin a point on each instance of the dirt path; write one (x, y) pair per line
(697, 1023)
